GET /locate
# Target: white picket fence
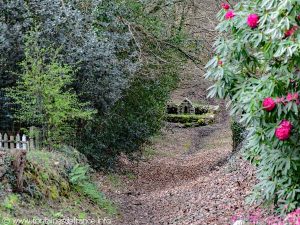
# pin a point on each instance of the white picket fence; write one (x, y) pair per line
(15, 142)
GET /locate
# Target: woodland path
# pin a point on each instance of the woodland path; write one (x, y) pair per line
(196, 183)
(190, 177)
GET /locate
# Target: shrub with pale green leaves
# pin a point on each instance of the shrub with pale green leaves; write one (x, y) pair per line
(256, 65)
(44, 95)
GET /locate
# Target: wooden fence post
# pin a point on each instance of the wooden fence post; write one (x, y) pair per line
(18, 139)
(24, 142)
(11, 142)
(5, 141)
(37, 138)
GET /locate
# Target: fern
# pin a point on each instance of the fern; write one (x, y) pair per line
(91, 191)
(78, 174)
(81, 182)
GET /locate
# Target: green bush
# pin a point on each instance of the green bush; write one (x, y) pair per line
(162, 48)
(132, 121)
(44, 96)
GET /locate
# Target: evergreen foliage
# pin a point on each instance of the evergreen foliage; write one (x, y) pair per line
(68, 25)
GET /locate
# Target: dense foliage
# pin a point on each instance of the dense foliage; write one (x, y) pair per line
(69, 25)
(123, 58)
(139, 113)
(133, 120)
(257, 66)
(43, 94)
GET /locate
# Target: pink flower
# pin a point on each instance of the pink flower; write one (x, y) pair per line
(283, 132)
(291, 97)
(229, 15)
(220, 63)
(279, 100)
(234, 218)
(268, 104)
(225, 6)
(253, 218)
(286, 123)
(291, 31)
(252, 20)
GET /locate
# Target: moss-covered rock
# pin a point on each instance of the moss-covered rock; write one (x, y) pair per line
(204, 109)
(201, 109)
(191, 120)
(45, 182)
(48, 187)
(46, 173)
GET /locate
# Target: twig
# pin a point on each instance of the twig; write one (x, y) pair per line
(127, 23)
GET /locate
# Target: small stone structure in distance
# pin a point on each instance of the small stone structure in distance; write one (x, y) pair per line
(187, 107)
(189, 114)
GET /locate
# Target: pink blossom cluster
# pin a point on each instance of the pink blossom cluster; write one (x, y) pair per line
(256, 217)
(283, 131)
(294, 217)
(269, 103)
(252, 20)
(289, 98)
(229, 15)
(225, 6)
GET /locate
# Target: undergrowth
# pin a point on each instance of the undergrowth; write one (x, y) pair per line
(56, 185)
(81, 182)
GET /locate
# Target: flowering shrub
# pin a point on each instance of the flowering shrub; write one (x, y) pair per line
(258, 45)
(257, 217)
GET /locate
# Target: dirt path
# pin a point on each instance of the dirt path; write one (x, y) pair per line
(187, 179)
(187, 176)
